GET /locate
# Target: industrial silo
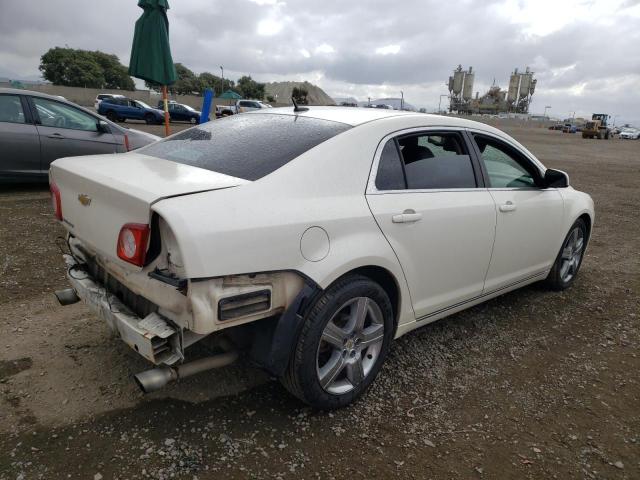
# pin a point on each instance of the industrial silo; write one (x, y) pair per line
(467, 91)
(532, 88)
(514, 83)
(525, 83)
(458, 80)
(450, 84)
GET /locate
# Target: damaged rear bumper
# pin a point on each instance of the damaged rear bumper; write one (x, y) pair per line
(153, 336)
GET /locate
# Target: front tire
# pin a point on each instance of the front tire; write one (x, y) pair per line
(567, 264)
(344, 341)
(150, 119)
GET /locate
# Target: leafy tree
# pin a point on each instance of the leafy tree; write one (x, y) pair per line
(186, 83)
(300, 94)
(271, 99)
(71, 68)
(213, 82)
(249, 88)
(116, 75)
(82, 68)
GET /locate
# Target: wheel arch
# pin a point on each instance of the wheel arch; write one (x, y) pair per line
(386, 280)
(588, 221)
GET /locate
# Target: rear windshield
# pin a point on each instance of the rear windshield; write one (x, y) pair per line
(247, 146)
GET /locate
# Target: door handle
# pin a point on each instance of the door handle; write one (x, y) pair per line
(507, 207)
(56, 136)
(408, 216)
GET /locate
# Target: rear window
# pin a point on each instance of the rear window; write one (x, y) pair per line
(247, 146)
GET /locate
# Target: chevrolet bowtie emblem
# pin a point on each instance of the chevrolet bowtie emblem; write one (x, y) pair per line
(84, 199)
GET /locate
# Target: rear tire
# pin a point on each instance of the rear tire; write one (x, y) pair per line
(344, 340)
(567, 264)
(149, 119)
(111, 115)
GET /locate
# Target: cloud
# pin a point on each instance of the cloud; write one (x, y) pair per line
(388, 50)
(583, 51)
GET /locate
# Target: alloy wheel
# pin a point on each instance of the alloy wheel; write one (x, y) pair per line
(571, 254)
(350, 344)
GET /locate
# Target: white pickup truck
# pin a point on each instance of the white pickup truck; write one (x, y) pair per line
(240, 107)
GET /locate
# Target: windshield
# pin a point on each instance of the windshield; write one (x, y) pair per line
(246, 146)
(191, 109)
(142, 104)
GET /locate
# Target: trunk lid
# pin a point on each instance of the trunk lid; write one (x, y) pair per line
(101, 193)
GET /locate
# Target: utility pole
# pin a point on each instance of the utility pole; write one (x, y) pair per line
(221, 80)
(401, 100)
(369, 100)
(440, 103)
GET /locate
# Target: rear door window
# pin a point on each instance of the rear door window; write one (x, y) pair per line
(390, 174)
(11, 109)
(56, 114)
(436, 161)
(245, 146)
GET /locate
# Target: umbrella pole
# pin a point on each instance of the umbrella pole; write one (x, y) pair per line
(167, 131)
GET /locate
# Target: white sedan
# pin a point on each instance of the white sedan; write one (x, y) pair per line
(308, 239)
(630, 133)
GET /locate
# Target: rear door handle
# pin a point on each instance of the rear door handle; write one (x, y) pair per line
(507, 207)
(56, 136)
(408, 216)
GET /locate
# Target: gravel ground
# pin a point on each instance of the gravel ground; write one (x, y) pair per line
(534, 384)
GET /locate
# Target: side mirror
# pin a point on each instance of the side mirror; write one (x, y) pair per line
(555, 179)
(103, 127)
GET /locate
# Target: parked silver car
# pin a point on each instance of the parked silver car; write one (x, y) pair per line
(36, 129)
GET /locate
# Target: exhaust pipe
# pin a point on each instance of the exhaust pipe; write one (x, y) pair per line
(157, 378)
(67, 296)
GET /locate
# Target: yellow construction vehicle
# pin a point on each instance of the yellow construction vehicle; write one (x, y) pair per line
(597, 127)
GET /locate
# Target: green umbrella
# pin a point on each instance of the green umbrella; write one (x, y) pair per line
(231, 95)
(151, 54)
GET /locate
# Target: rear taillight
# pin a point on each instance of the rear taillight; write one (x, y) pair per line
(132, 243)
(56, 200)
(126, 142)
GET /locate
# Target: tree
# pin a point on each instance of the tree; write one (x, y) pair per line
(300, 94)
(271, 99)
(249, 88)
(82, 68)
(116, 75)
(214, 82)
(71, 68)
(186, 84)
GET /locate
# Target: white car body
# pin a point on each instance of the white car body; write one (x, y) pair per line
(250, 105)
(102, 96)
(315, 219)
(630, 134)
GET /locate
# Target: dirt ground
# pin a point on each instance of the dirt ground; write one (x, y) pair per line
(531, 385)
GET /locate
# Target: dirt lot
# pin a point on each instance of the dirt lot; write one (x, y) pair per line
(534, 384)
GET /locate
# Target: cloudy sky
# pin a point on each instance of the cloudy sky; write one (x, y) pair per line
(586, 53)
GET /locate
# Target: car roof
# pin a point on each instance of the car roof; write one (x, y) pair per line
(20, 91)
(355, 116)
(31, 93)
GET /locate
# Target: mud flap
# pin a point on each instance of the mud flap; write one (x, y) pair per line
(274, 339)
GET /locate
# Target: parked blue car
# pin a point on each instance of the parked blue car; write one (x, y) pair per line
(180, 112)
(119, 109)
